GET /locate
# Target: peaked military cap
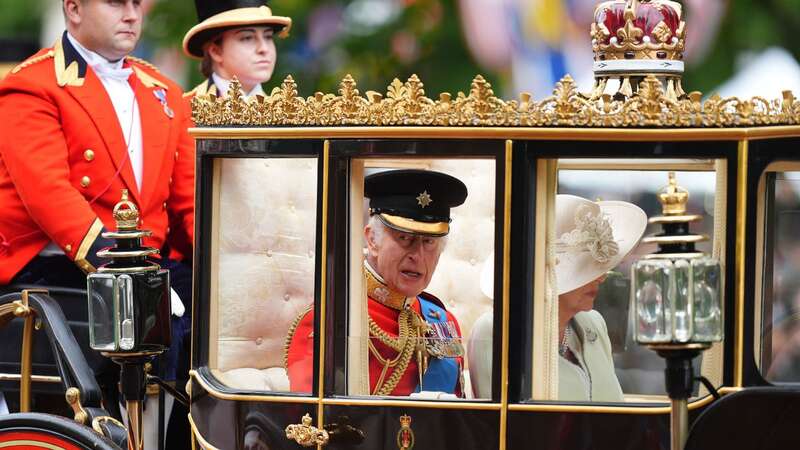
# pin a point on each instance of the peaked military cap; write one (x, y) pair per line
(216, 16)
(414, 201)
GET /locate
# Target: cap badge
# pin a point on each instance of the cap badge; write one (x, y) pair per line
(424, 199)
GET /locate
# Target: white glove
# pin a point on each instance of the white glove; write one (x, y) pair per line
(433, 395)
(177, 305)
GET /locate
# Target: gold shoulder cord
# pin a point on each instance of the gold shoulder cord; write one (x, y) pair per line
(290, 335)
(408, 341)
(47, 55)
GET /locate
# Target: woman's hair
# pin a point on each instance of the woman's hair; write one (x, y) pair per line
(207, 64)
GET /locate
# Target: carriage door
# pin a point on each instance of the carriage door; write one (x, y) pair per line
(375, 395)
(257, 275)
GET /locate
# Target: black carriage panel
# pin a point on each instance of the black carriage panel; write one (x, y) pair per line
(384, 427)
(257, 265)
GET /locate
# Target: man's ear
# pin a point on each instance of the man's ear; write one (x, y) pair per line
(72, 11)
(369, 237)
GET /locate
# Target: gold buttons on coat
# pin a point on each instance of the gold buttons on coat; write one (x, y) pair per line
(176, 156)
(88, 154)
(164, 206)
(85, 181)
(68, 248)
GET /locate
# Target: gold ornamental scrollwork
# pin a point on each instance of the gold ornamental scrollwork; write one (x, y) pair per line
(405, 103)
(306, 434)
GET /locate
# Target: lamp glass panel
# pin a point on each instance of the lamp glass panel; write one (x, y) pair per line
(682, 302)
(102, 312)
(127, 339)
(707, 286)
(653, 287)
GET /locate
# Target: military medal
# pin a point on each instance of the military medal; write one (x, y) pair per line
(161, 95)
(442, 340)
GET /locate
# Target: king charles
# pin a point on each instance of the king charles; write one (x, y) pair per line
(414, 342)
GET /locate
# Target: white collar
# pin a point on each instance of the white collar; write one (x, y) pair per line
(94, 59)
(223, 85)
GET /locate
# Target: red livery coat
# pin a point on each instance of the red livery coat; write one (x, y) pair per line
(64, 160)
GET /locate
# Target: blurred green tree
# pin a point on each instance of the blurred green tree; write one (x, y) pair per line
(21, 19)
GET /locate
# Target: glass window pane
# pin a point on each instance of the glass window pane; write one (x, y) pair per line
(598, 358)
(780, 334)
(263, 268)
(421, 308)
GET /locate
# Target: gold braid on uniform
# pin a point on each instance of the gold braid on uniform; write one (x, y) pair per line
(404, 344)
(36, 59)
(290, 334)
(143, 62)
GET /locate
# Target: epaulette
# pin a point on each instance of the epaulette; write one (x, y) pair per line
(31, 61)
(190, 93)
(144, 63)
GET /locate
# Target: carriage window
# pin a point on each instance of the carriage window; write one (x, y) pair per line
(262, 272)
(598, 360)
(421, 269)
(780, 285)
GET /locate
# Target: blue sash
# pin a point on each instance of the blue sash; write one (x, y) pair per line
(443, 373)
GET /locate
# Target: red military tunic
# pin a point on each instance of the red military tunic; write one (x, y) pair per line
(64, 160)
(300, 351)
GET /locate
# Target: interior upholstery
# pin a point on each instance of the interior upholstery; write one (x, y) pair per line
(268, 215)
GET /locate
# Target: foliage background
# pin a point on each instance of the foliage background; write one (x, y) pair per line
(424, 37)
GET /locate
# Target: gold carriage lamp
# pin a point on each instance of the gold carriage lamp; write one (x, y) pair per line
(129, 297)
(676, 299)
(677, 290)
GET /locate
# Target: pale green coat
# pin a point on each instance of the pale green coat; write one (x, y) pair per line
(592, 347)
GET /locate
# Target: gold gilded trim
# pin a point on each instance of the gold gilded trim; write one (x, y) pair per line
(621, 409)
(86, 245)
(435, 404)
(323, 285)
(506, 286)
(193, 374)
(520, 133)
(34, 378)
(196, 435)
(406, 104)
(741, 225)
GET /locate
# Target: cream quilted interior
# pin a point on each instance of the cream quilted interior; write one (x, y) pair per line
(266, 241)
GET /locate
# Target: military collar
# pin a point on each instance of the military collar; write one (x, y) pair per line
(70, 66)
(223, 85)
(207, 87)
(380, 292)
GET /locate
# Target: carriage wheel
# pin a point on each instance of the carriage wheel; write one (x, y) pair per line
(45, 431)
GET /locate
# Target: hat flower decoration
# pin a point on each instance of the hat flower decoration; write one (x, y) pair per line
(592, 233)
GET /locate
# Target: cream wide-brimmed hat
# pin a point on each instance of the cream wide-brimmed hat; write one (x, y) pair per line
(592, 238)
(216, 16)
